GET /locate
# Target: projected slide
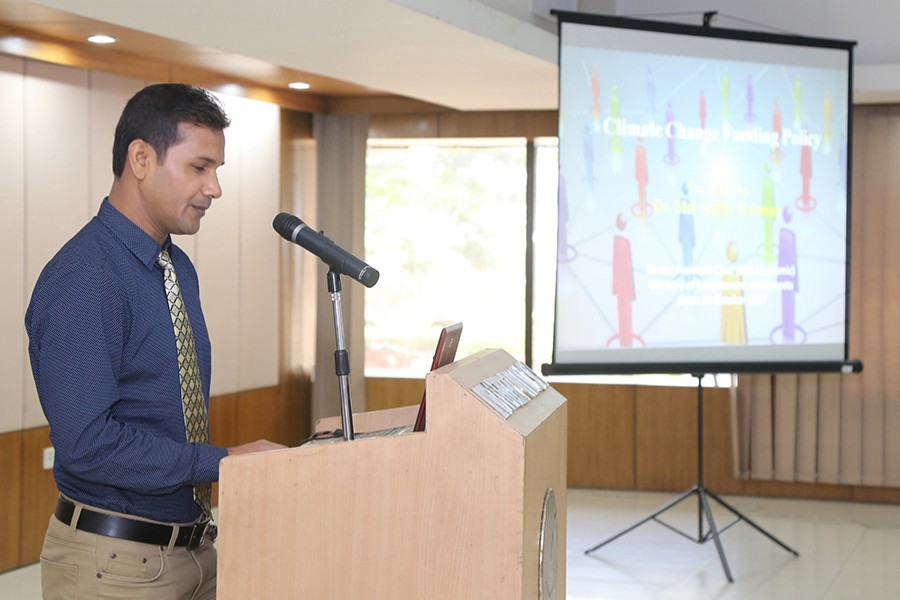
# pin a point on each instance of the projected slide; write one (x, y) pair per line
(702, 199)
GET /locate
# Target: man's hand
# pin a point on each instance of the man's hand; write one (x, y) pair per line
(256, 446)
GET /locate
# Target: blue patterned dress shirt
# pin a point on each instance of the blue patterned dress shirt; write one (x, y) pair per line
(102, 350)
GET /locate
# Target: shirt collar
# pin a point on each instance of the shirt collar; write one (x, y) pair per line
(136, 240)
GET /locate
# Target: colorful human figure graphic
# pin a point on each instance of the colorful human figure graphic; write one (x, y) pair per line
(749, 117)
(826, 116)
(768, 212)
(588, 154)
(725, 94)
(788, 278)
(733, 327)
(671, 157)
(686, 235)
(615, 144)
(596, 109)
(702, 110)
(776, 155)
(564, 252)
(798, 103)
(842, 164)
(623, 287)
(806, 202)
(642, 175)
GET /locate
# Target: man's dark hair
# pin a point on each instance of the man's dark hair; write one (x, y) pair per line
(154, 113)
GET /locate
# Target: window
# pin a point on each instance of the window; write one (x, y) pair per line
(445, 227)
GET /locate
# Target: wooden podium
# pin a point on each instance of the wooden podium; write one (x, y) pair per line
(474, 507)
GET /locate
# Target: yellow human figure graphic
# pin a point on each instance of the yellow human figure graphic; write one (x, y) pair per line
(733, 328)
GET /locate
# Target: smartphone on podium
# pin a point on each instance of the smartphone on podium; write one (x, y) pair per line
(444, 354)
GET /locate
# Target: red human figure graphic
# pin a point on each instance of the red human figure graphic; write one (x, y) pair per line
(596, 110)
(806, 202)
(776, 127)
(623, 287)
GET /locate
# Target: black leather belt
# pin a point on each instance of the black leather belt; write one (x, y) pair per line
(124, 528)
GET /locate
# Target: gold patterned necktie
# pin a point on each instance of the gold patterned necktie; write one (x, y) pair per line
(196, 421)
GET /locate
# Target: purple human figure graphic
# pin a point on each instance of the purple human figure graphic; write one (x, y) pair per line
(564, 253)
(671, 158)
(749, 117)
(588, 152)
(702, 109)
(788, 277)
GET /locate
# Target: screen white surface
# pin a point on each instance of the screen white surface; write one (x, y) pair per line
(703, 204)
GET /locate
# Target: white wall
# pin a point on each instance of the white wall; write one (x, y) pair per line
(56, 127)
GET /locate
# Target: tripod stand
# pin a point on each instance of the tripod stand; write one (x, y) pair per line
(704, 534)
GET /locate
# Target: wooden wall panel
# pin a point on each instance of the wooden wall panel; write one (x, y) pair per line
(275, 413)
(453, 124)
(385, 392)
(11, 499)
(665, 438)
(601, 435)
(529, 124)
(718, 459)
(39, 494)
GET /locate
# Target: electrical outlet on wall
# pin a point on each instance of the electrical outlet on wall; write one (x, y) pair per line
(48, 456)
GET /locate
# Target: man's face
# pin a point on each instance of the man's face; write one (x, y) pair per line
(178, 191)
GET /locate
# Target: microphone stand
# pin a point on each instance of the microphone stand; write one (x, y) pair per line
(341, 357)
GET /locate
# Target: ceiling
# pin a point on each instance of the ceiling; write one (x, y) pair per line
(458, 54)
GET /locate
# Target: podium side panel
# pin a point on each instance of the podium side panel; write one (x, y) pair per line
(473, 547)
(545, 468)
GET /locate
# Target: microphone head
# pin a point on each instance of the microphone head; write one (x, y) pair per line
(369, 276)
(285, 225)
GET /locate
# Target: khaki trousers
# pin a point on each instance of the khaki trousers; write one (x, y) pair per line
(78, 565)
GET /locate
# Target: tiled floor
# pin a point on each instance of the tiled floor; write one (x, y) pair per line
(847, 551)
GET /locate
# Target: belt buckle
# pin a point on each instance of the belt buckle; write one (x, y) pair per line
(198, 535)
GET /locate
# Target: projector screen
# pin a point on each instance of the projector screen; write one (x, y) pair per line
(703, 199)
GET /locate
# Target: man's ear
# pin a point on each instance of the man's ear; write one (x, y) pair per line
(140, 157)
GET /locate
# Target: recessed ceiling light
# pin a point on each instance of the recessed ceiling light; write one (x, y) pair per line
(102, 39)
(299, 85)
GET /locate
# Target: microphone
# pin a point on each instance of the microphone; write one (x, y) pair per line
(294, 230)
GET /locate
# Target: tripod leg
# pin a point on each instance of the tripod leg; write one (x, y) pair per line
(743, 517)
(649, 517)
(715, 534)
